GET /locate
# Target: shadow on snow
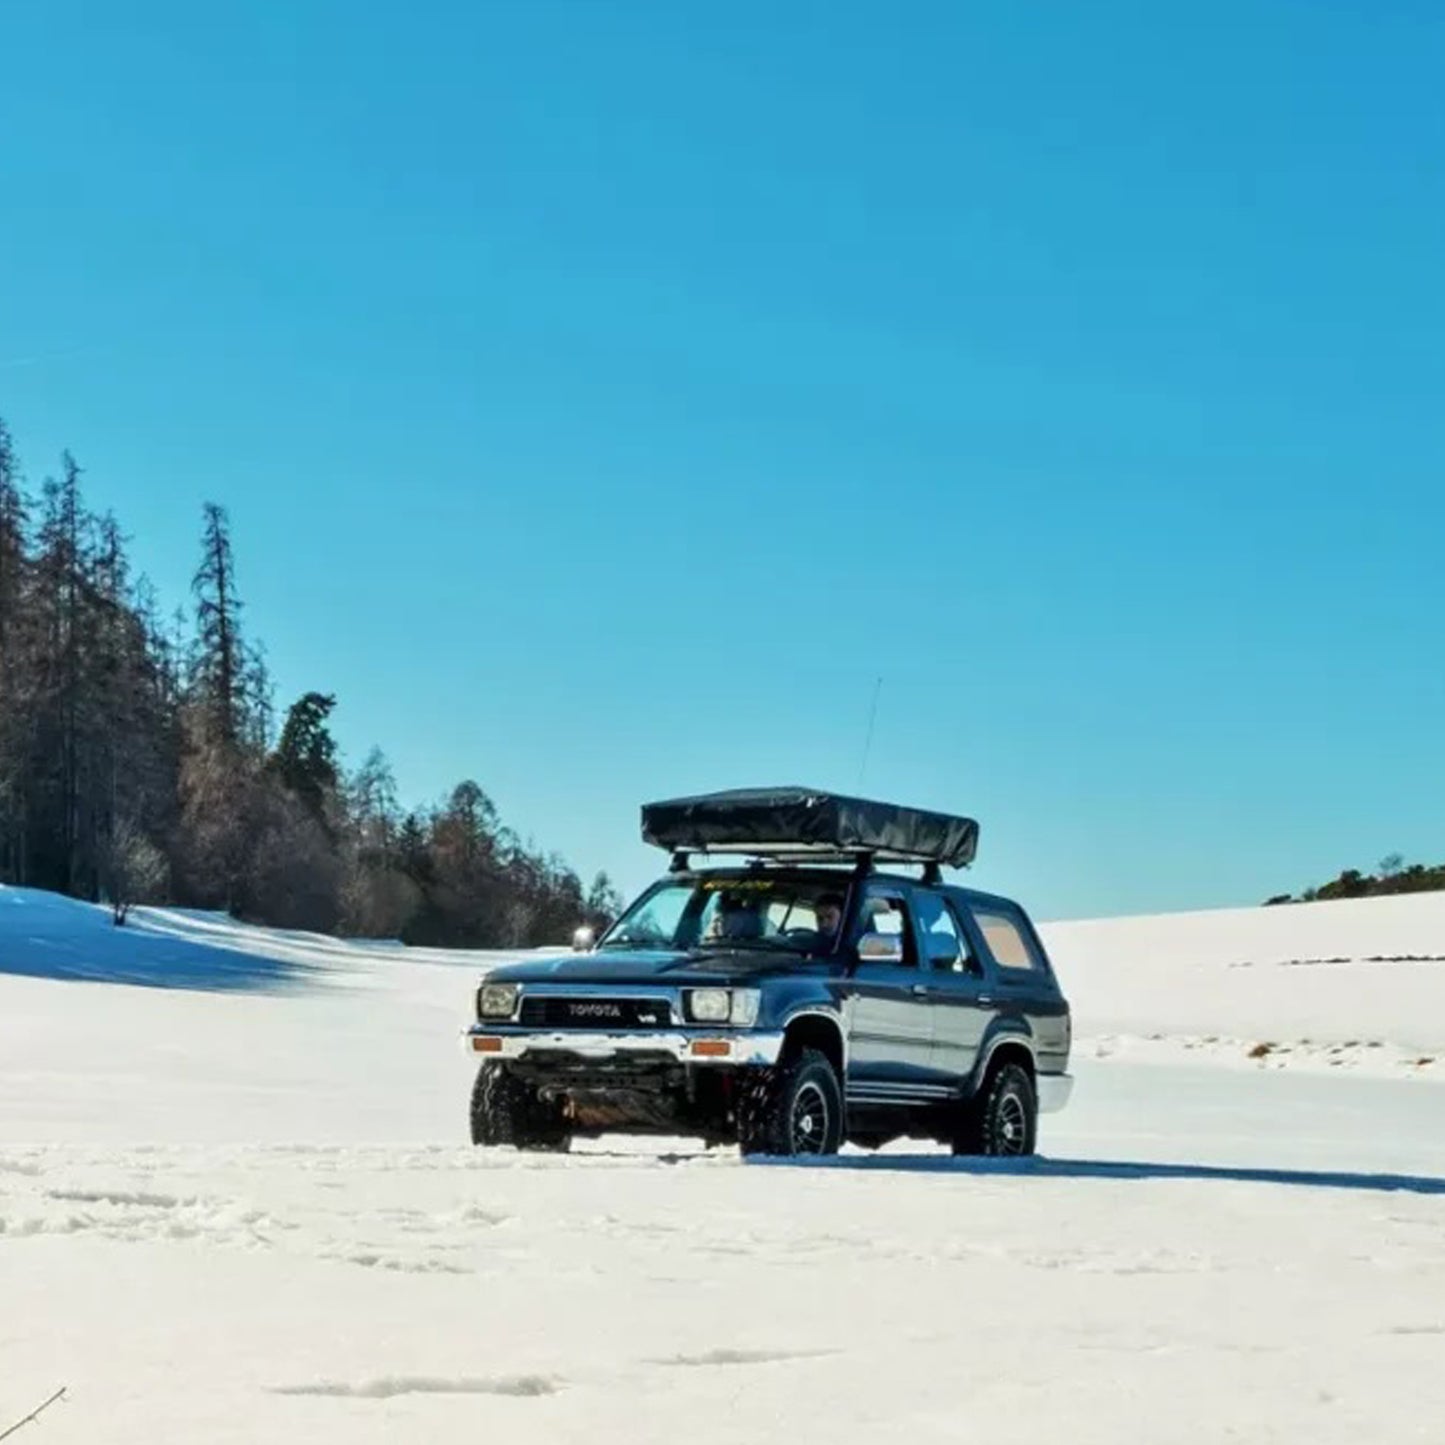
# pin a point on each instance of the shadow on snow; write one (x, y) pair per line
(45, 936)
(1039, 1167)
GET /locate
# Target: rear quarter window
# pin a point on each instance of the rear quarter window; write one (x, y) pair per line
(1007, 941)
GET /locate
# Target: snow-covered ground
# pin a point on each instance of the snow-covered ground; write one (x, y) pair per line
(236, 1204)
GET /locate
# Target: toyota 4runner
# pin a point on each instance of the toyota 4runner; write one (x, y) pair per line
(806, 993)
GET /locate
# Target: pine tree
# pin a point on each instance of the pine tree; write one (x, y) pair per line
(137, 764)
(219, 669)
(131, 738)
(258, 701)
(14, 673)
(413, 850)
(12, 539)
(54, 782)
(305, 758)
(604, 903)
(219, 806)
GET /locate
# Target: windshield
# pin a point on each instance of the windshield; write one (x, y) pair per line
(803, 915)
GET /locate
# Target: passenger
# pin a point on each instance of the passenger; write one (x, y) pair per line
(737, 919)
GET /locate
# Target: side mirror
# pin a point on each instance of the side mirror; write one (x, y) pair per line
(880, 948)
(945, 960)
(583, 939)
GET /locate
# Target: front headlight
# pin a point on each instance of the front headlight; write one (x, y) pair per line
(737, 1006)
(745, 1007)
(496, 1000)
(709, 1005)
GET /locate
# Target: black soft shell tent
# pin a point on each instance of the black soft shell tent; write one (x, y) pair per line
(785, 822)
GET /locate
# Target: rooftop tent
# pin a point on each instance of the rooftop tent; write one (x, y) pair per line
(804, 823)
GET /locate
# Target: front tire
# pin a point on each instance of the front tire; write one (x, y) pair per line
(794, 1110)
(1004, 1123)
(505, 1111)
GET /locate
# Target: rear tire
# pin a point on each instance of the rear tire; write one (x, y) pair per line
(1004, 1121)
(794, 1110)
(505, 1111)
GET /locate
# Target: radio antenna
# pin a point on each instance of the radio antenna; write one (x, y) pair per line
(868, 740)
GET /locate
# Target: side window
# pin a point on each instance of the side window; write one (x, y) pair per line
(945, 948)
(886, 914)
(1005, 940)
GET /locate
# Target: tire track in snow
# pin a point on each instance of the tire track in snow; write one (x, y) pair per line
(388, 1388)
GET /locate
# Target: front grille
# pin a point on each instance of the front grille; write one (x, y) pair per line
(558, 1069)
(546, 1011)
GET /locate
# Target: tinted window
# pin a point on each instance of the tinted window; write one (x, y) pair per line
(943, 940)
(1005, 940)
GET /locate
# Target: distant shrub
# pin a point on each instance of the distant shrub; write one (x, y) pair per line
(138, 871)
(1393, 877)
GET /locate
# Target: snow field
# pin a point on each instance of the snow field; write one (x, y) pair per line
(243, 1210)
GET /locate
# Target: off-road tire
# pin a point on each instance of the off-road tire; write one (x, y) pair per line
(1004, 1120)
(505, 1111)
(795, 1108)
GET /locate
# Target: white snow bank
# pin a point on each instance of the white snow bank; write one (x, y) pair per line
(1358, 971)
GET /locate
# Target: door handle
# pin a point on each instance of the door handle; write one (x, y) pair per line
(985, 1000)
(922, 990)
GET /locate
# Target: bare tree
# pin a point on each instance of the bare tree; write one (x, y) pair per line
(137, 871)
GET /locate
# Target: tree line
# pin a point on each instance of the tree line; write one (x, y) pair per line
(142, 759)
(1394, 876)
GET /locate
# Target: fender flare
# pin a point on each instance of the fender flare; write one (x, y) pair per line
(1006, 1035)
(822, 1011)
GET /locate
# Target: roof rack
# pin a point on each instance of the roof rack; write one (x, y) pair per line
(807, 826)
(862, 861)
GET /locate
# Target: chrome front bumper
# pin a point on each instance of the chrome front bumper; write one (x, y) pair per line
(1054, 1091)
(744, 1046)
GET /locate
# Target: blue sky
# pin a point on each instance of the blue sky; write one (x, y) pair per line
(606, 395)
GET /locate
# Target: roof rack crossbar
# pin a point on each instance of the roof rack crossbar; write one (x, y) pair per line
(862, 860)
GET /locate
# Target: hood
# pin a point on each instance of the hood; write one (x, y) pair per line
(623, 965)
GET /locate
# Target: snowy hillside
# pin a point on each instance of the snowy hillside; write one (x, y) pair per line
(235, 1205)
(1357, 984)
(238, 1034)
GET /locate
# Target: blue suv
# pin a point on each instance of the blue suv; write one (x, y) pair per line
(803, 993)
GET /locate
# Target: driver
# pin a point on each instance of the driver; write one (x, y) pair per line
(828, 910)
